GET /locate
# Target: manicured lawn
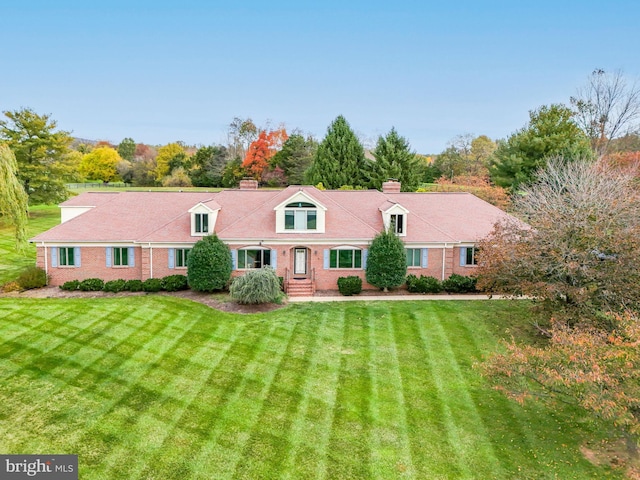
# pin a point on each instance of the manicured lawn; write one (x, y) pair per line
(41, 218)
(159, 387)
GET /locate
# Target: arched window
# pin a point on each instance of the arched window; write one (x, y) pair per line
(300, 216)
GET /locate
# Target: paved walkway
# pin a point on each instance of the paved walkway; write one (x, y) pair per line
(369, 298)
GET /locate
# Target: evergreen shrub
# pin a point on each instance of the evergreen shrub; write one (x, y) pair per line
(91, 285)
(32, 277)
(351, 285)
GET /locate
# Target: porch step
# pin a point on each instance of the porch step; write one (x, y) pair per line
(300, 288)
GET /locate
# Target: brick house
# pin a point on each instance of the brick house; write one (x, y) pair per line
(309, 236)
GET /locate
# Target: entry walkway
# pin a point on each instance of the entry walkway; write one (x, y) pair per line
(370, 298)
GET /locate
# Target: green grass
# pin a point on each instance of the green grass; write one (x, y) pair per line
(41, 218)
(159, 387)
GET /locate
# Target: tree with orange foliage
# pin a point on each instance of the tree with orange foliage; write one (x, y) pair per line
(578, 260)
(480, 186)
(260, 151)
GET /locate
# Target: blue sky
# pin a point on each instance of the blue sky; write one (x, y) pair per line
(165, 71)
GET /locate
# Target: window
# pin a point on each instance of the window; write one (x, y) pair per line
(414, 257)
(345, 259)
(120, 257)
(253, 258)
(182, 255)
(202, 222)
(66, 257)
(300, 216)
(468, 256)
(397, 223)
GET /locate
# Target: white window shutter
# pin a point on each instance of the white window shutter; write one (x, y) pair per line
(76, 256)
(274, 259)
(172, 257)
(54, 256)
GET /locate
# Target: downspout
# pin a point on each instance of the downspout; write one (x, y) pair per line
(46, 264)
(444, 259)
(150, 261)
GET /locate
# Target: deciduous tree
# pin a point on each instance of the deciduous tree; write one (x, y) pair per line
(551, 132)
(261, 150)
(607, 107)
(13, 199)
(579, 253)
(167, 154)
(101, 164)
(41, 153)
(578, 259)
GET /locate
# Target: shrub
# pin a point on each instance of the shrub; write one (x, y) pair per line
(256, 286)
(133, 285)
(114, 286)
(387, 261)
(32, 277)
(459, 284)
(11, 287)
(351, 285)
(423, 284)
(173, 283)
(209, 265)
(91, 285)
(152, 285)
(71, 285)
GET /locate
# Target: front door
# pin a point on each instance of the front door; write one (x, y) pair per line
(300, 261)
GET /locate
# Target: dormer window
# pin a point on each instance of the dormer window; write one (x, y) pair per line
(396, 224)
(201, 222)
(300, 216)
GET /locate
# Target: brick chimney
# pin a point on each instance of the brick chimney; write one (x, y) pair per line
(248, 184)
(391, 186)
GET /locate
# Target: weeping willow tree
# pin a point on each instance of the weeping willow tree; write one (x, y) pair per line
(13, 198)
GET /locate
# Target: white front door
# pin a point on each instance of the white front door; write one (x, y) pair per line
(300, 262)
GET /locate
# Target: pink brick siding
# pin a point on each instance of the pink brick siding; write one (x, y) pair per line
(93, 265)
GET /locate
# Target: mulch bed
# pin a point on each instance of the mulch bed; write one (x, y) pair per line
(200, 297)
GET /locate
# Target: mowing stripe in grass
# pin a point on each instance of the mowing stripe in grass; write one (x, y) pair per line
(390, 442)
(310, 423)
(243, 405)
(272, 439)
(121, 388)
(424, 408)
(465, 430)
(350, 452)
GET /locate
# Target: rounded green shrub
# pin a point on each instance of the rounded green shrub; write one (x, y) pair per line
(351, 285)
(173, 283)
(423, 284)
(133, 285)
(152, 285)
(387, 261)
(114, 286)
(256, 286)
(32, 277)
(459, 284)
(91, 285)
(209, 265)
(70, 286)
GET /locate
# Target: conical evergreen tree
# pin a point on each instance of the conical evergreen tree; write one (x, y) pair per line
(394, 159)
(339, 159)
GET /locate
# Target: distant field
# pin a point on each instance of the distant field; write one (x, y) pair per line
(155, 387)
(78, 188)
(41, 218)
